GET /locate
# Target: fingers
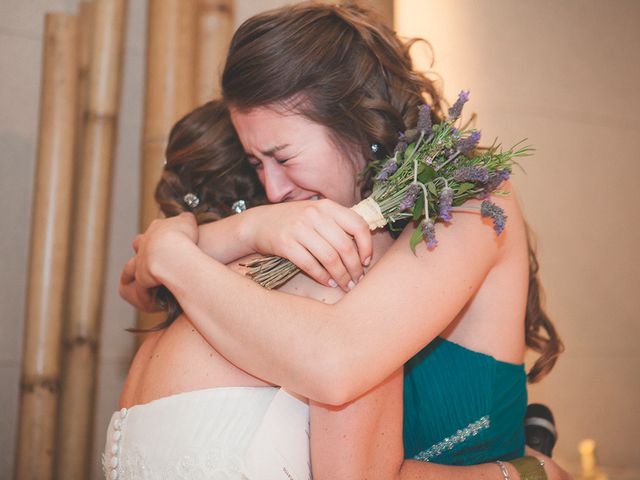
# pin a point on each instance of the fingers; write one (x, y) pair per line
(145, 299)
(354, 225)
(136, 242)
(330, 260)
(128, 274)
(338, 253)
(307, 262)
(339, 239)
(131, 292)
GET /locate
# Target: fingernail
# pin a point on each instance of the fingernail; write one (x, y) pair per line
(361, 277)
(333, 283)
(367, 261)
(350, 285)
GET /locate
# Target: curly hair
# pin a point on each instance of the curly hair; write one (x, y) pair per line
(340, 66)
(203, 157)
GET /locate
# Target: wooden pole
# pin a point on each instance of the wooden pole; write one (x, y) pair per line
(90, 233)
(170, 93)
(48, 251)
(86, 14)
(215, 27)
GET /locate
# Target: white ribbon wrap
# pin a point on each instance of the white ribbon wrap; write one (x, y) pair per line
(370, 211)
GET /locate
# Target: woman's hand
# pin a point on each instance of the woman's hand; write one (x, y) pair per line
(130, 291)
(330, 243)
(160, 239)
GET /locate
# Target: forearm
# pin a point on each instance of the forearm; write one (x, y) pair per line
(228, 309)
(341, 350)
(229, 238)
(363, 439)
(417, 470)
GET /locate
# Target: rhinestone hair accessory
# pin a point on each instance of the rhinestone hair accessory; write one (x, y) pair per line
(239, 206)
(191, 200)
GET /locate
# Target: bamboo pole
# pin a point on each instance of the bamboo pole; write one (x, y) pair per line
(86, 13)
(48, 251)
(215, 27)
(90, 233)
(170, 93)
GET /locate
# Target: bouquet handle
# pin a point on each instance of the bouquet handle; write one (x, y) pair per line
(370, 211)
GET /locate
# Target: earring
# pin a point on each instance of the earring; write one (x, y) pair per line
(375, 147)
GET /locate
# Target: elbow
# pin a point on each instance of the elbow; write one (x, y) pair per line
(336, 380)
(334, 394)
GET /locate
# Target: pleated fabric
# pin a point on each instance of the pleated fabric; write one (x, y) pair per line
(463, 407)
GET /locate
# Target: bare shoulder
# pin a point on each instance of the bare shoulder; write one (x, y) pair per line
(473, 277)
(471, 233)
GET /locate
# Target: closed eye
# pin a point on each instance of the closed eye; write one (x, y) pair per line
(254, 162)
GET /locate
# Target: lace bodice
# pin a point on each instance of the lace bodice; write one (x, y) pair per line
(204, 434)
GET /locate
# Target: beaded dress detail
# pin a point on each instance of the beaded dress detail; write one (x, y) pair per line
(463, 407)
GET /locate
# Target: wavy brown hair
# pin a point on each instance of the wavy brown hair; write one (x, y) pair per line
(342, 67)
(339, 66)
(203, 157)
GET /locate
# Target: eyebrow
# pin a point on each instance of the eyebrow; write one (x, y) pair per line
(271, 151)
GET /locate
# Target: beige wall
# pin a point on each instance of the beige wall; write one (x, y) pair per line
(566, 75)
(563, 77)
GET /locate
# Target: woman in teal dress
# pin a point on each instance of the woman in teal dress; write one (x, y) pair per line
(463, 335)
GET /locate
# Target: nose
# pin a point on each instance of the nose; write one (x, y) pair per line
(277, 184)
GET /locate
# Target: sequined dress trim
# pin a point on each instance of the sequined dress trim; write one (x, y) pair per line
(449, 443)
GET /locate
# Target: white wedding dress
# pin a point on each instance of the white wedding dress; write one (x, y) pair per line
(218, 433)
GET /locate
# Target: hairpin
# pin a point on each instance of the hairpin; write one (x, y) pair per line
(239, 206)
(191, 200)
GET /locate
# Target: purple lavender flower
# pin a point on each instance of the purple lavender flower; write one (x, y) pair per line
(495, 179)
(389, 169)
(446, 201)
(424, 120)
(401, 146)
(456, 109)
(467, 144)
(491, 210)
(411, 135)
(429, 234)
(410, 197)
(471, 174)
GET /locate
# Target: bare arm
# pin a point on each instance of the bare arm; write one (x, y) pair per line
(337, 344)
(227, 239)
(363, 439)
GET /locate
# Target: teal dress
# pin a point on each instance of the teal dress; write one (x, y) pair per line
(463, 407)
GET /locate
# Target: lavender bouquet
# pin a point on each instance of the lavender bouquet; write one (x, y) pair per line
(434, 170)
